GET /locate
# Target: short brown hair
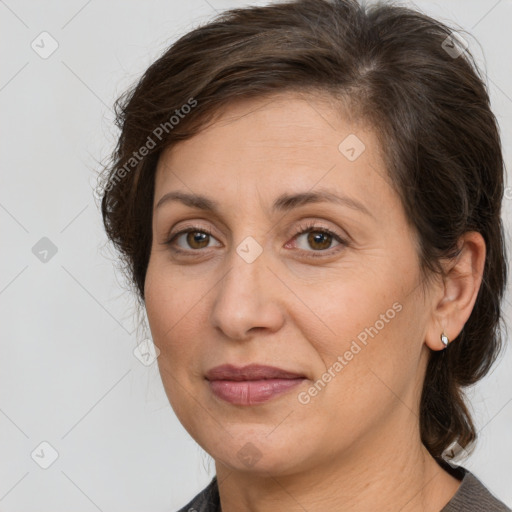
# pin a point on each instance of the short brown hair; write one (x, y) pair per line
(405, 74)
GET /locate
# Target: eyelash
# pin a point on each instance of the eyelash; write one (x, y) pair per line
(312, 226)
(304, 228)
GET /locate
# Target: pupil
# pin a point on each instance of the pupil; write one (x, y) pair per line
(315, 238)
(196, 238)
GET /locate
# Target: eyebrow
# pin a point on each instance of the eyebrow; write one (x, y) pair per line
(283, 203)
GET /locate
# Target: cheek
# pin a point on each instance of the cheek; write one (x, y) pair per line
(366, 322)
(353, 306)
(170, 304)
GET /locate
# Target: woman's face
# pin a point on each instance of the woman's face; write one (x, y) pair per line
(298, 257)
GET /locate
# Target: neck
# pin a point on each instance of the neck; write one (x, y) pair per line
(389, 472)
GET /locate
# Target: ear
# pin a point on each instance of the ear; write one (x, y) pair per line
(455, 297)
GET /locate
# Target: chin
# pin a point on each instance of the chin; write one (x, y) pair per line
(256, 451)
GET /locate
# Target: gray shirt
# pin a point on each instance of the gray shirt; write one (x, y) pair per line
(471, 496)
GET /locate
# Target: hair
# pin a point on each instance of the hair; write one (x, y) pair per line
(410, 78)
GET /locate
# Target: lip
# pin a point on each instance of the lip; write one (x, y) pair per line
(252, 384)
(250, 372)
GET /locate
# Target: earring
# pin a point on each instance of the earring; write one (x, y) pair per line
(444, 339)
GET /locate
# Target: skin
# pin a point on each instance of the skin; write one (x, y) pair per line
(355, 446)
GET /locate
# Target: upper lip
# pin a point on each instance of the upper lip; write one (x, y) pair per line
(249, 372)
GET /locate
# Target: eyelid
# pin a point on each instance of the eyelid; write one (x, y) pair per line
(187, 229)
(306, 226)
(314, 226)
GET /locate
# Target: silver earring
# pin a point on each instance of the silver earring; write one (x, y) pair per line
(444, 339)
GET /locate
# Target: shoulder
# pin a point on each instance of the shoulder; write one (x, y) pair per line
(473, 496)
(206, 501)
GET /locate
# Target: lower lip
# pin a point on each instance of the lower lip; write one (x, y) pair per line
(251, 392)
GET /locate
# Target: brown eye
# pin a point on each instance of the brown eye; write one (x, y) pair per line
(316, 239)
(191, 239)
(319, 240)
(197, 239)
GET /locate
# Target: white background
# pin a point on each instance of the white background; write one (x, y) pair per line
(68, 375)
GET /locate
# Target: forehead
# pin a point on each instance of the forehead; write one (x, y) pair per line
(278, 143)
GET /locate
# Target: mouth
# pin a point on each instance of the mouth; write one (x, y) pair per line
(251, 385)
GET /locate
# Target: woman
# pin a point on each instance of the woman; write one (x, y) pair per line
(307, 198)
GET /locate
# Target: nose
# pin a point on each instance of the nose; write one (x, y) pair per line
(247, 300)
